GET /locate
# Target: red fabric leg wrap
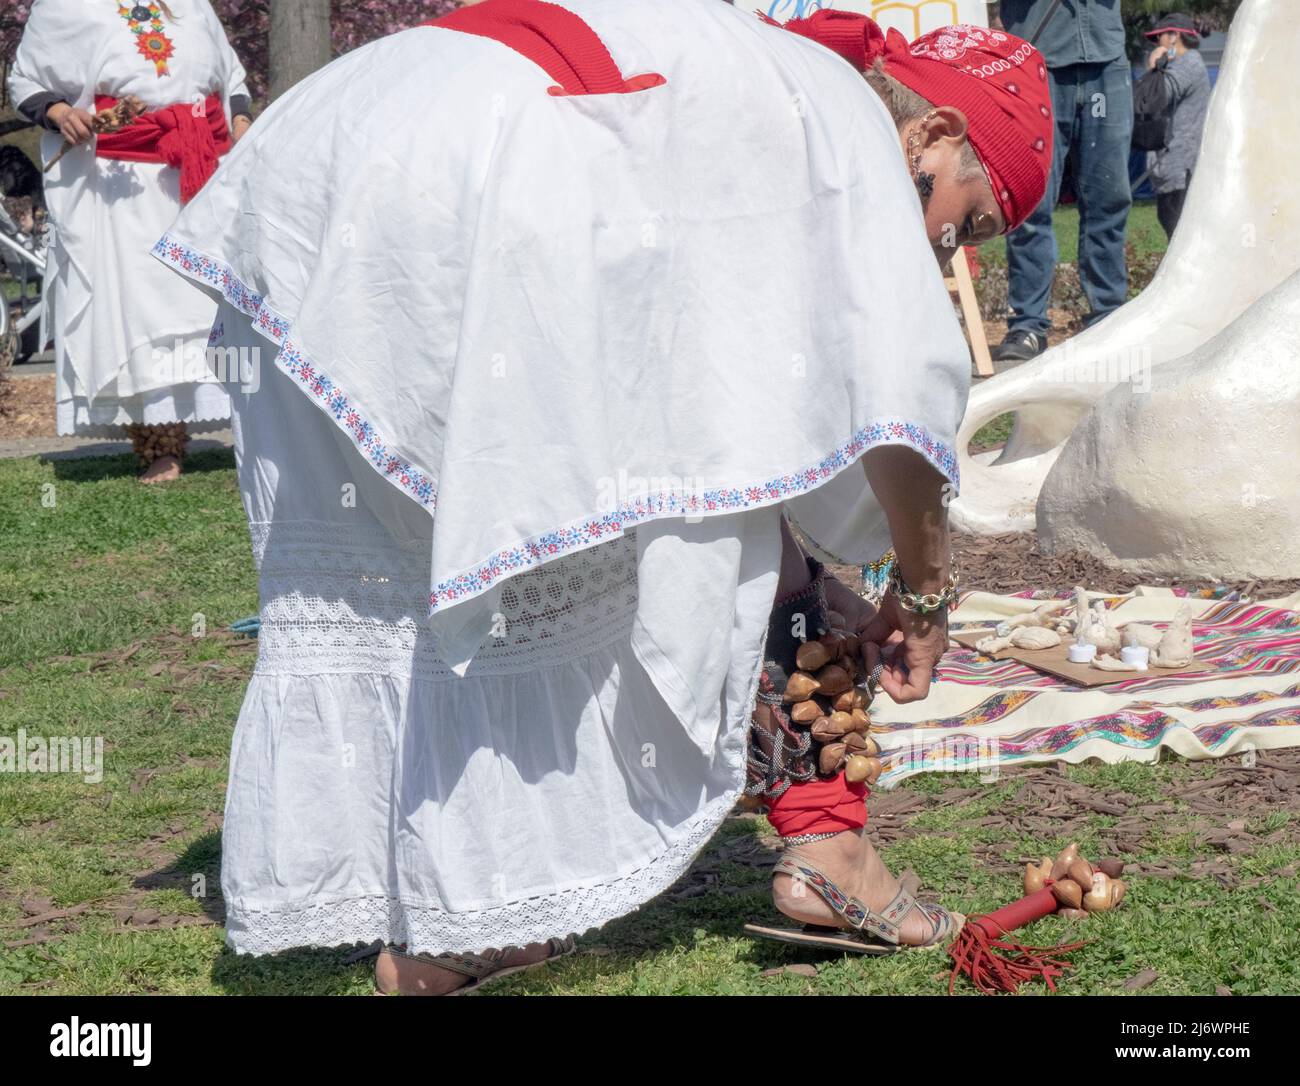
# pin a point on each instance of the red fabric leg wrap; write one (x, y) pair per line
(819, 806)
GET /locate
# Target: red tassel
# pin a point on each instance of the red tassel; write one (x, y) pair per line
(994, 964)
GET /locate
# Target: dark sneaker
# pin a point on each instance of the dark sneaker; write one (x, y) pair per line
(1020, 346)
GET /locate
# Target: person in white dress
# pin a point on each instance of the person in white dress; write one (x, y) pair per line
(129, 340)
(532, 394)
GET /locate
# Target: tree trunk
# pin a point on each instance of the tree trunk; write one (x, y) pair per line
(298, 42)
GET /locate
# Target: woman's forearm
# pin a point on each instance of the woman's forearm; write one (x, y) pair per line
(912, 495)
(36, 108)
(794, 564)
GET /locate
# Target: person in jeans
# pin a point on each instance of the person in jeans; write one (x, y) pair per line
(1178, 54)
(1092, 100)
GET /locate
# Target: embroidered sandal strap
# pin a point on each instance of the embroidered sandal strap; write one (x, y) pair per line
(885, 924)
(945, 924)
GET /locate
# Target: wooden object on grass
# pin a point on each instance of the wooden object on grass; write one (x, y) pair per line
(960, 283)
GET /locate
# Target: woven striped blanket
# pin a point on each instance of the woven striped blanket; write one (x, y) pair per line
(982, 713)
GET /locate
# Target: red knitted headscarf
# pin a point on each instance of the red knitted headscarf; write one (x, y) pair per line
(995, 78)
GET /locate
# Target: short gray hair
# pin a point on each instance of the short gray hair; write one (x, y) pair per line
(905, 105)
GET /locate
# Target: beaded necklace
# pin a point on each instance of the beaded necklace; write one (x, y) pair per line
(145, 22)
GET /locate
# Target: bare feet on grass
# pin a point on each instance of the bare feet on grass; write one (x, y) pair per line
(397, 975)
(163, 470)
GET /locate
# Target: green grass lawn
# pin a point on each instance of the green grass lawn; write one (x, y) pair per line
(99, 593)
(1146, 237)
(1144, 234)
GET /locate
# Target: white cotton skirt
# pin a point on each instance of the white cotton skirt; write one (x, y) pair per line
(124, 328)
(376, 794)
(201, 405)
(459, 814)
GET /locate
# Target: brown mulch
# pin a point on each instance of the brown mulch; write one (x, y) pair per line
(27, 407)
(1011, 563)
(1222, 810)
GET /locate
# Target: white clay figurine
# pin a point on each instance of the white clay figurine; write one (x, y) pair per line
(1175, 648)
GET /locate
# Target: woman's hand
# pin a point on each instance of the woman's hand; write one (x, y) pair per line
(910, 645)
(1156, 55)
(73, 124)
(241, 124)
(915, 499)
(855, 611)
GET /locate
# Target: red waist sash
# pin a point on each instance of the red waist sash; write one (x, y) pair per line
(184, 136)
(553, 38)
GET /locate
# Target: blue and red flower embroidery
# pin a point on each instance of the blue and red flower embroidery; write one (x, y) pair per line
(541, 548)
(290, 359)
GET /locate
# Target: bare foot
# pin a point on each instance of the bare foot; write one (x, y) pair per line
(397, 975)
(856, 868)
(163, 470)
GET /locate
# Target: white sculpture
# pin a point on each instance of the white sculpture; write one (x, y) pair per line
(1197, 475)
(1238, 238)
(1045, 614)
(1022, 637)
(1048, 615)
(1175, 648)
(1081, 613)
(1140, 635)
(1105, 662)
(1097, 629)
(1034, 637)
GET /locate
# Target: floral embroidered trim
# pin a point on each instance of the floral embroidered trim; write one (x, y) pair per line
(583, 533)
(593, 530)
(151, 42)
(329, 397)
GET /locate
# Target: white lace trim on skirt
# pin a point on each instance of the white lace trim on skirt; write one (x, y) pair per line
(428, 929)
(345, 659)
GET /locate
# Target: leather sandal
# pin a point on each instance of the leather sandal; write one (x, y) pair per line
(480, 968)
(869, 931)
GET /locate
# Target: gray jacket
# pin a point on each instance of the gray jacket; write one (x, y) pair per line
(1189, 97)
